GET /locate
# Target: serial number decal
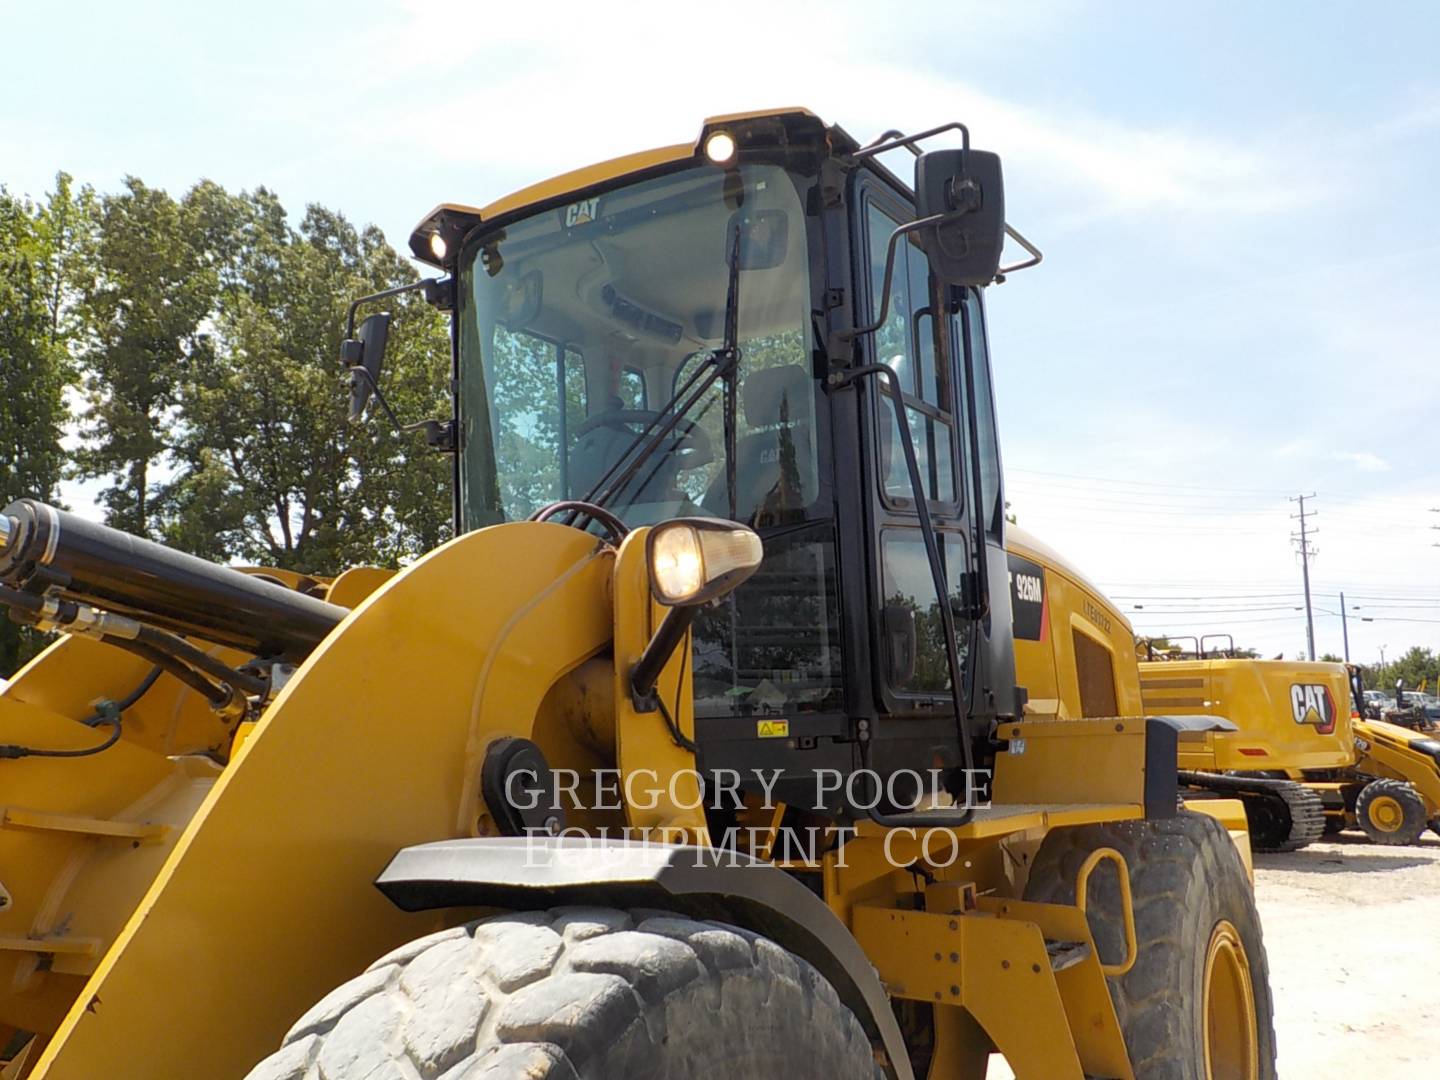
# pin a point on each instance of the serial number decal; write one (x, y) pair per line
(1096, 614)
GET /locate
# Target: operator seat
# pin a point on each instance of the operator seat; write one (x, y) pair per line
(775, 463)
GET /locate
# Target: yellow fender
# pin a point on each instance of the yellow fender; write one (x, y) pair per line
(267, 901)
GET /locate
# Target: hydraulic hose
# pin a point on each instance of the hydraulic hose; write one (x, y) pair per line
(109, 716)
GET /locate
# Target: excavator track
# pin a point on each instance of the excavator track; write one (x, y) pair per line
(1282, 815)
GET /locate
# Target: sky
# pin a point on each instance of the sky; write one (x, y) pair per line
(1236, 201)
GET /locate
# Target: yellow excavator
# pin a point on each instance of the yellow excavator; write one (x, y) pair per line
(1304, 761)
(701, 745)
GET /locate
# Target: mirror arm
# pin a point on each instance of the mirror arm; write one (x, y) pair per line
(844, 337)
(893, 140)
(1035, 254)
(427, 284)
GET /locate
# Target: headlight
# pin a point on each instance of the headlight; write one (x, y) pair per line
(693, 560)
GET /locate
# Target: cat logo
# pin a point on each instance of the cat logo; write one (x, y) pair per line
(586, 210)
(1311, 703)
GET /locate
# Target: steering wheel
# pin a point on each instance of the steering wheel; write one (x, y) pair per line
(690, 448)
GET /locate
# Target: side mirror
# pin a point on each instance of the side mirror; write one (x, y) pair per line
(362, 356)
(764, 237)
(965, 191)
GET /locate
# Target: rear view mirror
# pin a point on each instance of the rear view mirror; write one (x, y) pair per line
(362, 357)
(522, 301)
(965, 191)
(764, 237)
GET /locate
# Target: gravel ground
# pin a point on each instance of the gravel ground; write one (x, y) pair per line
(1352, 930)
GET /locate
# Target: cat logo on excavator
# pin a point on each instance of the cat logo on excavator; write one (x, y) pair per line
(1311, 703)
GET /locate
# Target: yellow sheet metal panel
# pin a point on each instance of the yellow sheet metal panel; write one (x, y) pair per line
(648, 754)
(1072, 761)
(986, 965)
(81, 839)
(1083, 990)
(1291, 714)
(1083, 662)
(267, 902)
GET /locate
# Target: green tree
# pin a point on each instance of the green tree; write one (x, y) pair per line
(151, 288)
(41, 246)
(267, 468)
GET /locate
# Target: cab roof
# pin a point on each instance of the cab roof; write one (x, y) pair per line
(453, 220)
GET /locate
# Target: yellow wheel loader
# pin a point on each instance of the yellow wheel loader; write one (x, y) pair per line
(700, 747)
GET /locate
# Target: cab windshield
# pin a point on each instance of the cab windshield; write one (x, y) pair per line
(578, 324)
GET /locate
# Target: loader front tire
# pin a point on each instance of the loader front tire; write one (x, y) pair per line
(1196, 1005)
(1390, 812)
(579, 994)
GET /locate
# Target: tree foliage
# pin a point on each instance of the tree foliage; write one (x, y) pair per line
(40, 251)
(197, 340)
(1415, 666)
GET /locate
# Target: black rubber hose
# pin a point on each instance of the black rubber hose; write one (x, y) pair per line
(128, 701)
(198, 658)
(94, 720)
(218, 696)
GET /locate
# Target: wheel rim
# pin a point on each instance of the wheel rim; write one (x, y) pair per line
(1232, 1049)
(1386, 814)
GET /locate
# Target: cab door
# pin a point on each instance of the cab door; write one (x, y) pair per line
(910, 670)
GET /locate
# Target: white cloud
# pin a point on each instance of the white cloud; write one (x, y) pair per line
(1362, 460)
(520, 98)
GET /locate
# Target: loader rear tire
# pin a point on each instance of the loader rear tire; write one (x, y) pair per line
(1390, 812)
(1196, 1005)
(579, 994)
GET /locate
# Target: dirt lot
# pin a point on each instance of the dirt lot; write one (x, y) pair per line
(1353, 935)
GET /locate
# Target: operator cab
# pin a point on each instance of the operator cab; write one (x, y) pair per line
(588, 308)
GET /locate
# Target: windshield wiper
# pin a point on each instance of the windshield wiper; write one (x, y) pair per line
(722, 363)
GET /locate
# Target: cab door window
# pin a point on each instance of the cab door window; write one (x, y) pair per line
(912, 643)
(906, 343)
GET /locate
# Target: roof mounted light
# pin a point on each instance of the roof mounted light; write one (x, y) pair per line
(438, 246)
(720, 147)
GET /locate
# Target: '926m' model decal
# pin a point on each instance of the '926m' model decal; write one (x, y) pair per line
(1312, 703)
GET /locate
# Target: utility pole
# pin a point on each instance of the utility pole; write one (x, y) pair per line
(1345, 628)
(1306, 554)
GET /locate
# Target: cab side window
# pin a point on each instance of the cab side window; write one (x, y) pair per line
(971, 331)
